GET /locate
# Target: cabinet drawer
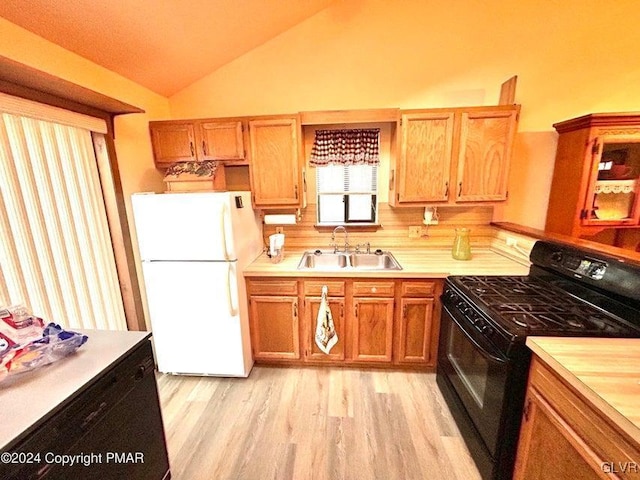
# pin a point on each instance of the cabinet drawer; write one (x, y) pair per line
(418, 289)
(314, 288)
(273, 287)
(376, 289)
(582, 419)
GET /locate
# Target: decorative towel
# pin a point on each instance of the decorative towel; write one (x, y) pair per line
(326, 335)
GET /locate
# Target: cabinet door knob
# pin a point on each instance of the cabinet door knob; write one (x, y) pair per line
(204, 147)
(192, 150)
(460, 190)
(446, 189)
(374, 289)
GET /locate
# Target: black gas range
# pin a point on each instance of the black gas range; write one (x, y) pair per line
(483, 360)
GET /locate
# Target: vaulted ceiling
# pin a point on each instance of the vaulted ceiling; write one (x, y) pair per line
(164, 45)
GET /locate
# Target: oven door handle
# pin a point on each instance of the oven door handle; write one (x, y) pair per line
(482, 350)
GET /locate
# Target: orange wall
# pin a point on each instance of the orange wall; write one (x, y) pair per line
(572, 57)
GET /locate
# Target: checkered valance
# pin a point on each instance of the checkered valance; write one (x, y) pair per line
(346, 147)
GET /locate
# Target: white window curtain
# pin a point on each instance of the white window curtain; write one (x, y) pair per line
(56, 255)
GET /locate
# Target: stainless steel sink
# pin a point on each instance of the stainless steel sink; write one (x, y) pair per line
(323, 261)
(319, 260)
(374, 261)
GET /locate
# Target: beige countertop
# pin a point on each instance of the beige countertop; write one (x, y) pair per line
(28, 397)
(605, 371)
(415, 263)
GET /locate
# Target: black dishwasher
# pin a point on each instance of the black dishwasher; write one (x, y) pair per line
(112, 429)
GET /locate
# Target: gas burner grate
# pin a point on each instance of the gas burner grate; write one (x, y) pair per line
(531, 305)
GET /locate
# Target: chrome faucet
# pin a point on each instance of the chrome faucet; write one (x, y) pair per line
(333, 239)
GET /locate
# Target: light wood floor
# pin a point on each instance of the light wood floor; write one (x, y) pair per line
(311, 423)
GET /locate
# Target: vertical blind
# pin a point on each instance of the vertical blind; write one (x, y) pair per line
(56, 255)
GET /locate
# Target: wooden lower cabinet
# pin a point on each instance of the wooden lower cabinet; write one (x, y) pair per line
(414, 334)
(563, 436)
(549, 449)
(274, 319)
(372, 329)
(311, 350)
(274, 327)
(378, 322)
(418, 322)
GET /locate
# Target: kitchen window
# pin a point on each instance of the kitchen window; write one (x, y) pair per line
(346, 164)
(347, 194)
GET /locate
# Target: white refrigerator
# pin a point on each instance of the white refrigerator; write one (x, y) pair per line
(193, 248)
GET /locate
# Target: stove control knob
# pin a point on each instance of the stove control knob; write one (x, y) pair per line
(556, 257)
(597, 271)
(481, 324)
(486, 329)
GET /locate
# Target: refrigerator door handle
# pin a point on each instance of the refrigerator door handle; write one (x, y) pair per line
(223, 230)
(232, 310)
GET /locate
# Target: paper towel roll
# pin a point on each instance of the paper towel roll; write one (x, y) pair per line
(280, 219)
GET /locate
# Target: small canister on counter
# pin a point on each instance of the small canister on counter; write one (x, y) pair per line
(461, 245)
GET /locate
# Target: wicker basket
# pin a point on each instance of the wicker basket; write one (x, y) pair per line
(190, 182)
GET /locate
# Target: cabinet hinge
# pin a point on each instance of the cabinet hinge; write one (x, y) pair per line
(583, 214)
(596, 147)
(398, 197)
(506, 195)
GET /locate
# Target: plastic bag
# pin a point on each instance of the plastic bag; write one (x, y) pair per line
(25, 344)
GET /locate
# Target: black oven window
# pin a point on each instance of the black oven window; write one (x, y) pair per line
(471, 367)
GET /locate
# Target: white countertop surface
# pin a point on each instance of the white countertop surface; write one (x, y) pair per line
(26, 398)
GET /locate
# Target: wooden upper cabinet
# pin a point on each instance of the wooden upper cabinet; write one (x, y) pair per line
(221, 140)
(275, 157)
(425, 157)
(196, 140)
(486, 140)
(596, 179)
(172, 142)
(454, 155)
